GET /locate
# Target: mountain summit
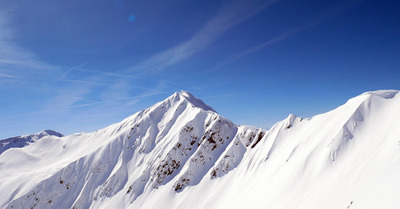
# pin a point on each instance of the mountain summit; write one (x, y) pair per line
(196, 102)
(180, 153)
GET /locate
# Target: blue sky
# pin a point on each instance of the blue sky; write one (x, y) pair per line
(79, 66)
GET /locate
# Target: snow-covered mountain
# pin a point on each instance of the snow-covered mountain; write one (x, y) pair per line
(180, 153)
(22, 141)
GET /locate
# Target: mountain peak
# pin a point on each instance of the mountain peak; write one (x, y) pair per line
(25, 140)
(178, 145)
(196, 102)
(50, 133)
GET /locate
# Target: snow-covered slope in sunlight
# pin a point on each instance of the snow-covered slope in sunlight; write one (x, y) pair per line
(22, 141)
(180, 153)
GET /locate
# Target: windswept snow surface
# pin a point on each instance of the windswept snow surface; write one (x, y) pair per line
(180, 153)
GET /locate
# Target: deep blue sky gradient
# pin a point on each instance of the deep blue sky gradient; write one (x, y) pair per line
(79, 66)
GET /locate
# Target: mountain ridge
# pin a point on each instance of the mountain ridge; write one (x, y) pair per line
(180, 149)
(25, 140)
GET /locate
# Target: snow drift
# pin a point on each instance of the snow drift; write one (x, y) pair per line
(180, 153)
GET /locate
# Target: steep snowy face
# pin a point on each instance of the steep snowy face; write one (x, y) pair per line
(22, 141)
(346, 158)
(180, 153)
(176, 142)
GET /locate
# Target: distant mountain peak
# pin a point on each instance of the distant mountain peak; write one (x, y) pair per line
(25, 140)
(50, 133)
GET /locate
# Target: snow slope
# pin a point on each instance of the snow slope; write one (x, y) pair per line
(22, 141)
(180, 153)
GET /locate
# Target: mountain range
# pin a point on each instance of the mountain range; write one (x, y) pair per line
(180, 153)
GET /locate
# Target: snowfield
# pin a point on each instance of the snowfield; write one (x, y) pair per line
(180, 153)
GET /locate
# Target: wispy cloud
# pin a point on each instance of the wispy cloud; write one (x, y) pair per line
(108, 74)
(68, 88)
(126, 100)
(81, 81)
(21, 61)
(7, 75)
(253, 49)
(319, 18)
(48, 93)
(73, 97)
(221, 96)
(229, 16)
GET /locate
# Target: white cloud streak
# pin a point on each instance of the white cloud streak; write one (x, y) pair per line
(229, 16)
(262, 45)
(319, 19)
(7, 76)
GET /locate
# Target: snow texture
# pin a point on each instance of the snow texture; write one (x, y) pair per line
(180, 153)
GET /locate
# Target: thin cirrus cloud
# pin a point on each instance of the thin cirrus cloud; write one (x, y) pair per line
(7, 75)
(16, 62)
(253, 49)
(68, 102)
(229, 16)
(58, 91)
(317, 20)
